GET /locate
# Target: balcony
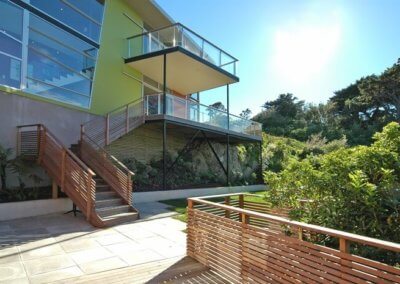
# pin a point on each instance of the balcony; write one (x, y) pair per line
(193, 64)
(195, 114)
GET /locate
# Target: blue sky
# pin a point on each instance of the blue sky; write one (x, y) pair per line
(308, 48)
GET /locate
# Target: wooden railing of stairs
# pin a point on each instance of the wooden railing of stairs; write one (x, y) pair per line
(100, 201)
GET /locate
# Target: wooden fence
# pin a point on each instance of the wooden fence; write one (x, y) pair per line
(66, 169)
(246, 246)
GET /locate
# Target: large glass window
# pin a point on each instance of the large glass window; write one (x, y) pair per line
(10, 44)
(45, 59)
(60, 66)
(84, 16)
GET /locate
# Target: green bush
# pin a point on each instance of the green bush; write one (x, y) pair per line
(353, 189)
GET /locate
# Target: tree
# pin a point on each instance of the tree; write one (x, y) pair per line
(286, 105)
(246, 114)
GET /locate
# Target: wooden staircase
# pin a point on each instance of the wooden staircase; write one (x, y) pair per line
(109, 205)
(103, 194)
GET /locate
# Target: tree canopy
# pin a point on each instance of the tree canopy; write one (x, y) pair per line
(356, 111)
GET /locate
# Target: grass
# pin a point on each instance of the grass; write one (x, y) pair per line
(179, 205)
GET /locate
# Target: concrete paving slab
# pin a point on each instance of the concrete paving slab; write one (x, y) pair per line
(90, 255)
(47, 264)
(56, 275)
(12, 270)
(102, 265)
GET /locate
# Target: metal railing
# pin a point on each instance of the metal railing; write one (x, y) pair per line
(179, 35)
(196, 112)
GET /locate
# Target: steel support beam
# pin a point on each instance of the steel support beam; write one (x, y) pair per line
(227, 137)
(215, 154)
(227, 161)
(184, 150)
(165, 155)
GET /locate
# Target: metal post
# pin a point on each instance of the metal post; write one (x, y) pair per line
(227, 142)
(227, 103)
(261, 170)
(165, 85)
(164, 155)
(227, 161)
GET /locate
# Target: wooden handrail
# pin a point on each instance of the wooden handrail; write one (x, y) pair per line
(318, 229)
(120, 164)
(67, 171)
(61, 145)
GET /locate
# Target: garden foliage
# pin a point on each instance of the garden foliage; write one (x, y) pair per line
(352, 189)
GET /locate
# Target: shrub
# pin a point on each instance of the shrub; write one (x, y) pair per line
(353, 189)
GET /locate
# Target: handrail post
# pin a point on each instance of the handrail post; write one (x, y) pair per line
(63, 155)
(227, 202)
(244, 219)
(89, 196)
(128, 196)
(344, 245)
(107, 138)
(82, 131)
(127, 119)
(41, 144)
(241, 204)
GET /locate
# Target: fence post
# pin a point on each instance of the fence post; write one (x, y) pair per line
(300, 232)
(89, 196)
(54, 190)
(241, 204)
(245, 221)
(63, 155)
(129, 188)
(41, 143)
(227, 202)
(344, 245)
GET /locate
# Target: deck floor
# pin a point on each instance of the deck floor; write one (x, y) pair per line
(175, 270)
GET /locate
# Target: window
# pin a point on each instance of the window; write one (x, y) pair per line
(44, 59)
(10, 44)
(84, 16)
(59, 65)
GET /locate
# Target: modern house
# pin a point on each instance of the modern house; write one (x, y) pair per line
(120, 81)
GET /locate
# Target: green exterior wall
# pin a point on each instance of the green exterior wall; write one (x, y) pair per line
(112, 88)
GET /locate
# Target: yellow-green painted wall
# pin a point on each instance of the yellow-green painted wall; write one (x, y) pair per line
(112, 88)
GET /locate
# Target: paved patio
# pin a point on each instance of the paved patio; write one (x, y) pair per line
(57, 247)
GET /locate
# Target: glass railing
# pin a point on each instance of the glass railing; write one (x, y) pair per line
(179, 35)
(190, 110)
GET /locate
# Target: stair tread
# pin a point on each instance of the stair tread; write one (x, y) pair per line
(120, 215)
(113, 207)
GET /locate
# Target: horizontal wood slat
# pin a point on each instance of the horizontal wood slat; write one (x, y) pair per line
(66, 169)
(114, 173)
(246, 251)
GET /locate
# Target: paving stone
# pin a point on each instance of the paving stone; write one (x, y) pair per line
(102, 265)
(78, 244)
(12, 270)
(48, 250)
(123, 248)
(143, 256)
(112, 239)
(56, 275)
(22, 280)
(47, 264)
(90, 255)
(10, 254)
